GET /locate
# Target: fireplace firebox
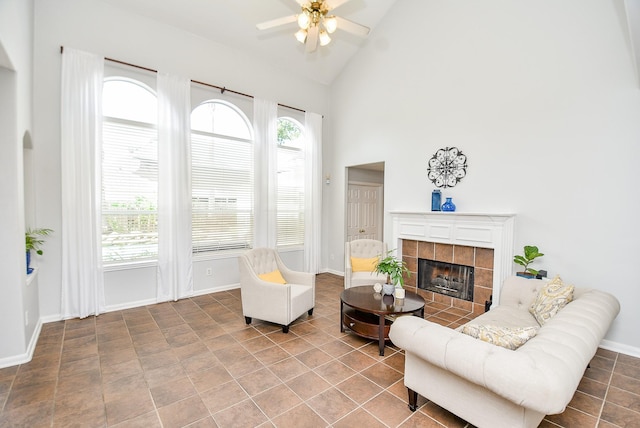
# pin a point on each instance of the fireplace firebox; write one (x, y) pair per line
(450, 279)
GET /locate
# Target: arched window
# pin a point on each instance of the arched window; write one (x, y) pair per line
(290, 182)
(222, 177)
(129, 171)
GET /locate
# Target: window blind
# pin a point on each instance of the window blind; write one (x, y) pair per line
(222, 192)
(290, 196)
(130, 191)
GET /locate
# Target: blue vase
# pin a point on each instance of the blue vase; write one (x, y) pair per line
(436, 200)
(29, 268)
(448, 206)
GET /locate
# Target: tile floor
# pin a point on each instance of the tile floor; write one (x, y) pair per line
(195, 363)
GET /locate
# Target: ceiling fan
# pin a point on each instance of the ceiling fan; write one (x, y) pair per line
(316, 24)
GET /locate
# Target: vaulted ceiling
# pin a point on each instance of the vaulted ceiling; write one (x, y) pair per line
(233, 23)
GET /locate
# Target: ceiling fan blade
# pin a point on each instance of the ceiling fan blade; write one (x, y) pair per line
(277, 22)
(301, 2)
(312, 39)
(352, 27)
(334, 4)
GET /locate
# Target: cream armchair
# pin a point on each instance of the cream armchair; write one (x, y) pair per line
(271, 301)
(362, 249)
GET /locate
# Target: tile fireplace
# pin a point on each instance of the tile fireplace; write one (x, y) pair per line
(481, 241)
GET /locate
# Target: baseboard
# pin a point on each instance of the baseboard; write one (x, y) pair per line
(621, 348)
(130, 305)
(28, 355)
(51, 318)
(334, 272)
(215, 290)
(146, 302)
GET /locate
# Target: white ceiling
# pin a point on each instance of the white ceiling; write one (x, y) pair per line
(233, 23)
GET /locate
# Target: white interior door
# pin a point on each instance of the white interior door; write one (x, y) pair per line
(364, 212)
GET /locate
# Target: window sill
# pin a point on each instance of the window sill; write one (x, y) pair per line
(197, 257)
(217, 255)
(130, 265)
(290, 248)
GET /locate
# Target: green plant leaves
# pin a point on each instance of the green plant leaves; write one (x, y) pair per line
(531, 253)
(33, 240)
(393, 268)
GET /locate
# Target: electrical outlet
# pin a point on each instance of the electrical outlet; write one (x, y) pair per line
(208, 271)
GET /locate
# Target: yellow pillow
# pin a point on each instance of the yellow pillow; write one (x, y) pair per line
(364, 265)
(552, 297)
(507, 337)
(274, 276)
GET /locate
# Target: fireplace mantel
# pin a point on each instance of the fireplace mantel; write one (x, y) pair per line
(485, 230)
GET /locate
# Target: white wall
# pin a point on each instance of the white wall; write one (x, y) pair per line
(94, 26)
(541, 96)
(16, 25)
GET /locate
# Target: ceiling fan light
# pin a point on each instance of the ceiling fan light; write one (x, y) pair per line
(301, 35)
(304, 21)
(330, 23)
(324, 38)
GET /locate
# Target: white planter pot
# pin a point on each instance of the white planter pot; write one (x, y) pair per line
(387, 288)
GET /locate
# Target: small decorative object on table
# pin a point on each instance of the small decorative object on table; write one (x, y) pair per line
(387, 288)
(448, 206)
(377, 287)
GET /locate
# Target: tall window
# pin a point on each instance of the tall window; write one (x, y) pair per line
(129, 172)
(290, 183)
(222, 177)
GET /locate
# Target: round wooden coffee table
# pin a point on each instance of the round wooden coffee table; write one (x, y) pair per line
(370, 314)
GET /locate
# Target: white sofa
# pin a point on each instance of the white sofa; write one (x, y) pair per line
(491, 386)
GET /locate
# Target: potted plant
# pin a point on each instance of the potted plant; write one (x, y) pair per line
(33, 240)
(395, 269)
(530, 254)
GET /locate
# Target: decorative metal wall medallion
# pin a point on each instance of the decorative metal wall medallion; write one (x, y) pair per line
(447, 167)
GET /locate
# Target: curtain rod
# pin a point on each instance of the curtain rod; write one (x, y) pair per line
(222, 89)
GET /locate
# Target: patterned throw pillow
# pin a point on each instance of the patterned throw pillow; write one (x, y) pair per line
(507, 337)
(274, 276)
(551, 298)
(364, 265)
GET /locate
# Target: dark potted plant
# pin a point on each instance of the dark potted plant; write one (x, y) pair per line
(531, 253)
(395, 269)
(33, 241)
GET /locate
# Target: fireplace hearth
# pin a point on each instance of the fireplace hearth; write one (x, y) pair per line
(449, 279)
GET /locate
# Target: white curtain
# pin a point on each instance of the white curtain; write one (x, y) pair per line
(313, 192)
(265, 125)
(175, 271)
(81, 151)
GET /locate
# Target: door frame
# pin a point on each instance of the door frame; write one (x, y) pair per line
(378, 170)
